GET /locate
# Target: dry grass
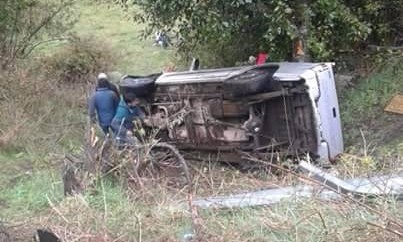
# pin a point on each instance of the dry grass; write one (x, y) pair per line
(115, 215)
(212, 178)
(370, 160)
(8, 136)
(66, 220)
(297, 220)
(306, 219)
(40, 114)
(115, 211)
(112, 212)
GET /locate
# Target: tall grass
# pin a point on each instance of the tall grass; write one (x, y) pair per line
(38, 116)
(158, 213)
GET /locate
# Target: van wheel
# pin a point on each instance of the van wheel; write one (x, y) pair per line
(165, 166)
(142, 86)
(251, 82)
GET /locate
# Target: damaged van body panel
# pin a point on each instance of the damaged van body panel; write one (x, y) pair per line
(322, 90)
(278, 108)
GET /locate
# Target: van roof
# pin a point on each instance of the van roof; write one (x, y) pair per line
(288, 71)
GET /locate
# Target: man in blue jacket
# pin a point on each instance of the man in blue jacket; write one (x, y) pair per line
(127, 112)
(104, 103)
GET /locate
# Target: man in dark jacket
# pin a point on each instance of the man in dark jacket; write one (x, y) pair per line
(104, 102)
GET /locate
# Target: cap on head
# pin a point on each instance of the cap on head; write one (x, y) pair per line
(102, 76)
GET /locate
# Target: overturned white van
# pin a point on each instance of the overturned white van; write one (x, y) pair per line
(270, 110)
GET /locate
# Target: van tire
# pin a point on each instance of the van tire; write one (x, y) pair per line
(141, 86)
(249, 83)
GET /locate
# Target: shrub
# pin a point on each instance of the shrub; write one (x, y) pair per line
(27, 24)
(79, 61)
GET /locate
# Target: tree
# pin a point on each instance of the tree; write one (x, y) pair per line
(232, 30)
(25, 24)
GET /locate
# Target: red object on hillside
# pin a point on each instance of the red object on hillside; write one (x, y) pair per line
(261, 58)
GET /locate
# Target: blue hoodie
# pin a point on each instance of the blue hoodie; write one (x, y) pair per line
(127, 113)
(104, 101)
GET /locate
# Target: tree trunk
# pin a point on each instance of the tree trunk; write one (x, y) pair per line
(300, 50)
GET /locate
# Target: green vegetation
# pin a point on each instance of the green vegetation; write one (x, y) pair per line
(30, 194)
(362, 105)
(25, 25)
(228, 32)
(111, 25)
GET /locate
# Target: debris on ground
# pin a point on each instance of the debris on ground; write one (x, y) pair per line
(326, 187)
(395, 105)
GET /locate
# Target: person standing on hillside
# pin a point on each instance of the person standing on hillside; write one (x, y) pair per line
(111, 86)
(103, 103)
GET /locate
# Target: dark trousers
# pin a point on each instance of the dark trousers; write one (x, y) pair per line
(120, 129)
(105, 128)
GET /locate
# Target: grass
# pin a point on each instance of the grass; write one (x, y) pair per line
(373, 137)
(111, 24)
(294, 220)
(362, 106)
(107, 210)
(26, 184)
(28, 195)
(110, 213)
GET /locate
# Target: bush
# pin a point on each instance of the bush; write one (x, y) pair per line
(27, 24)
(79, 61)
